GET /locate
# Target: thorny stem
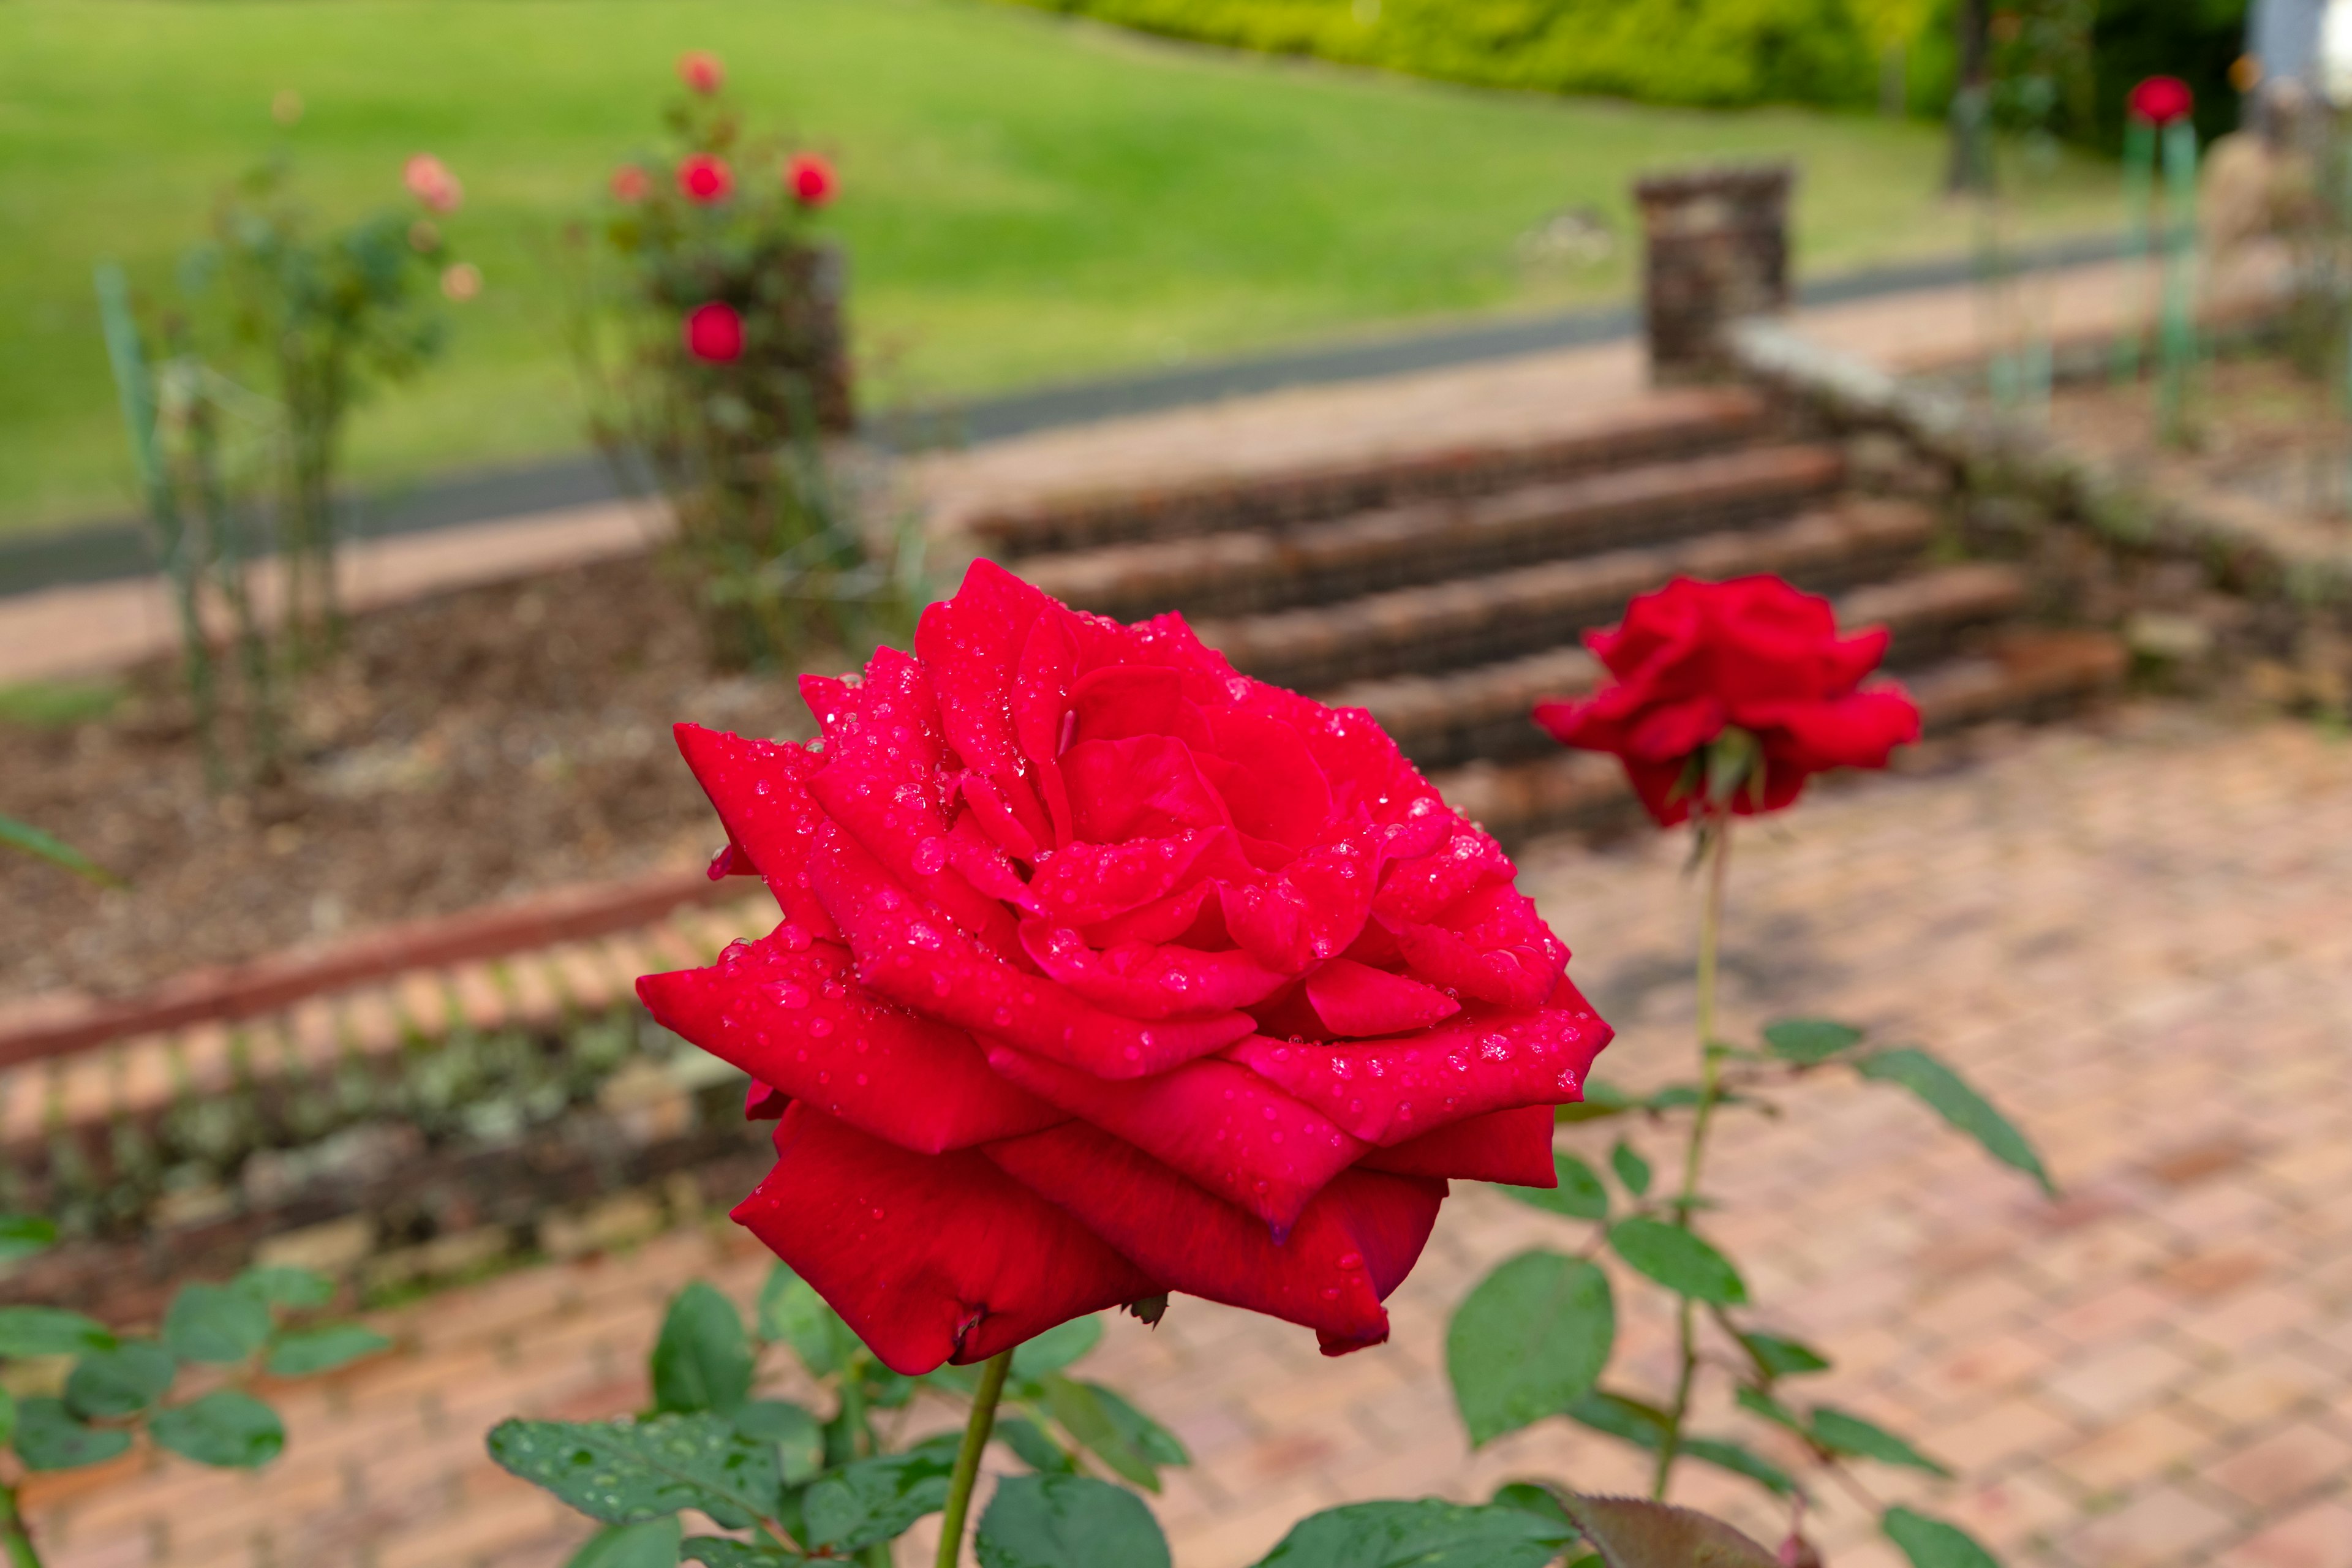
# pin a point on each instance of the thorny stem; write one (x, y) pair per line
(1716, 847)
(967, 1466)
(13, 1533)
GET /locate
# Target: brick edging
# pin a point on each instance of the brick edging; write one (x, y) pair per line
(60, 1024)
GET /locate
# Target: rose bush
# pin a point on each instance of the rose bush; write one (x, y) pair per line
(1108, 972)
(1693, 661)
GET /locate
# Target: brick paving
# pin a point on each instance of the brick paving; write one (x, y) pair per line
(2137, 937)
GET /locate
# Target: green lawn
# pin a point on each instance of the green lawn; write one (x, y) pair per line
(1026, 199)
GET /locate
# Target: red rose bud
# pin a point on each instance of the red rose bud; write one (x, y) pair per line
(714, 333)
(704, 178)
(1695, 659)
(810, 179)
(631, 185)
(701, 72)
(1105, 970)
(430, 182)
(2161, 100)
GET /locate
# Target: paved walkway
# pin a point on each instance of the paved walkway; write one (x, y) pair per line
(2138, 939)
(74, 631)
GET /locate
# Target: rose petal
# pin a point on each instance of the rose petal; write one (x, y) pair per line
(1356, 1002)
(911, 958)
(931, 1258)
(797, 1020)
(1386, 1092)
(1351, 1246)
(1149, 786)
(1512, 1146)
(1149, 980)
(759, 790)
(1490, 944)
(972, 645)
(1082, 883)
(1229, 1131)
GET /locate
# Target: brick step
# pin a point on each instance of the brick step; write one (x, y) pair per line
(1663, 424)
(2026, 674)
(1505, 615)
(1443, 721)
(1256, 571)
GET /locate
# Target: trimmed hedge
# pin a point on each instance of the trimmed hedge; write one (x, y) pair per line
(1718, 53)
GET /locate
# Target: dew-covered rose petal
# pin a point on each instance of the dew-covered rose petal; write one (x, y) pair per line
(1350, 1246)
(759, 790)
(1149, 980)
(1490, 944)
(1228, 1129)
(1511, 1146)
(971, 645)
(920, 962)
(931, 1258)
(1386, 1091)
(1355, 1001)
(1085, 883)
(789, 1011)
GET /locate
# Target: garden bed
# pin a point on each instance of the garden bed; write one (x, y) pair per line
(466, 750)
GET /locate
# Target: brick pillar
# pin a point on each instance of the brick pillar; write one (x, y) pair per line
(1718, 251)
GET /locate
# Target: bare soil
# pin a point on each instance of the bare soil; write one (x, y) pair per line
(2256, 427)
(464, 750)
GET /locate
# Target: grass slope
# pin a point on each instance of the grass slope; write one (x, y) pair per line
(1026, 198)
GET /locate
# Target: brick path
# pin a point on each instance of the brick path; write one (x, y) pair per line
(2140, 940)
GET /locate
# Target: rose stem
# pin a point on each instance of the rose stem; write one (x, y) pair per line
(13, 1533)
(1716, 839)
(967, 1465)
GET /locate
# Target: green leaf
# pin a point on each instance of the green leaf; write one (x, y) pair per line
(1067, 1521)
(215, 1323)
(1429, 1533)
(1841, 1433)
(626, 1472)
(1932, 1544)
(1755, 1402)
(49, 1439)
(1951, 1098)
(652, 1544)
(1530, 1338)
(879, 1498)
(703, 1360)
(798, 1436)
(298, 1287)
(1630, 1168)
(1079, 1408)
(306, 1352)
(113, 1383)
(1147, 1437)
(1528, 1496)
(1629, 1533)
(792, 1310)
(1784, 1358)
(1741, 1461)
(1810, 1040)
(718, 1552)
(23, 1235)
(1600, 1100)
(24, 835)
(1629, 1420)
(1033, 1448)
(1057, 1347)
(224, 1428)
(8, 1418)
(1679, 1260)
(50, 1330)
(1579, 1195)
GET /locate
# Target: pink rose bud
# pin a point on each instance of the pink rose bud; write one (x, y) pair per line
(810, 179)
(714, 333)
(701, 72)
(430, 182)
(704, 178)
(631, 185)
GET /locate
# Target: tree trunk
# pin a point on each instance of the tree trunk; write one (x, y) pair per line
(1970, 165)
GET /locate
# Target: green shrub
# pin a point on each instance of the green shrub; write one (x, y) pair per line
(1707, 52)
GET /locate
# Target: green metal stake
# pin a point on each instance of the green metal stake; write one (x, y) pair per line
(2177, 334)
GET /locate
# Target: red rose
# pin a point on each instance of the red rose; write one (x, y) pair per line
(1695, 659)
(631, 185)
(714, 333)
(810, 179)
(704, 178)
(701, 72)
(430, 182)
(1107, 972)
(2161, 100)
